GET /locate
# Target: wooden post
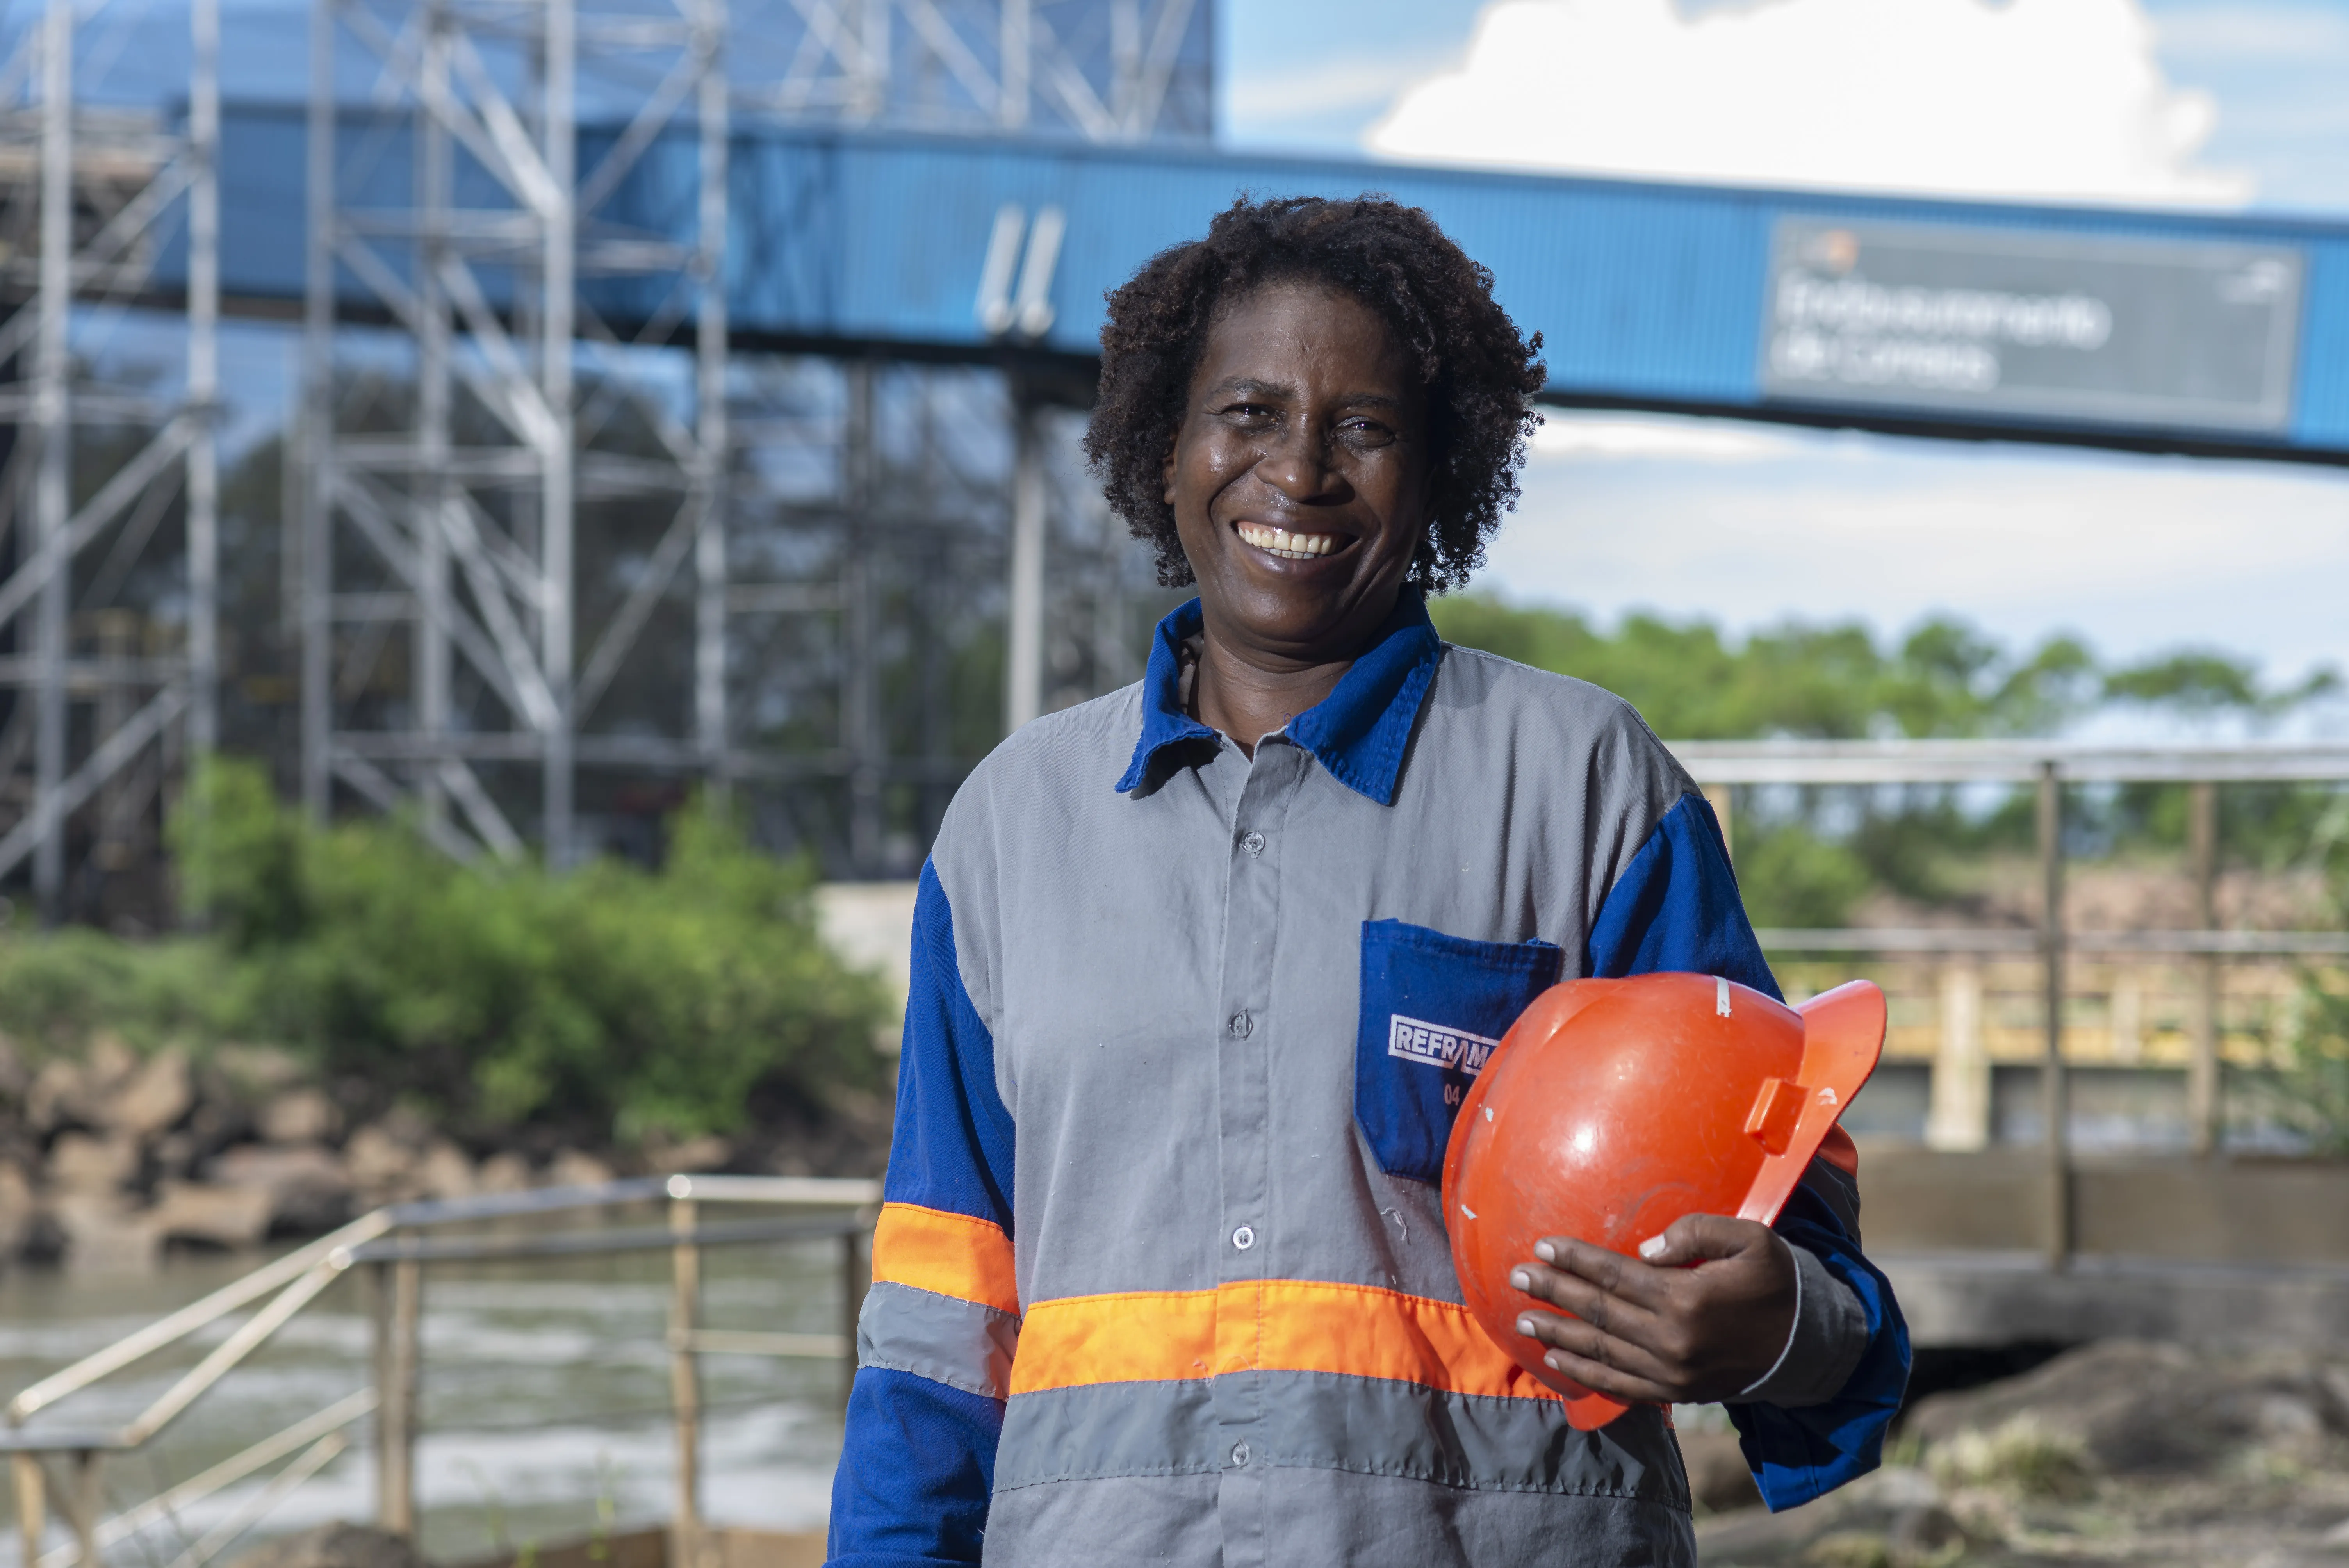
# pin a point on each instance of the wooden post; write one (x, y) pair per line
(685, 1381)
(399, 1324)
(1958, 1115)
(87, 1500)
(1722, 798)
(852, 1305)
(2204, 1110)
(32, 1500)
(2054, 1102)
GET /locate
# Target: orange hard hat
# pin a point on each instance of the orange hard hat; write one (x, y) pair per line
(1614, 1107)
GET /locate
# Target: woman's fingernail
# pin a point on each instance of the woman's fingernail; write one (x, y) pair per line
(1520, 1280)
(1526, 1326)
(1653, 1248)
(1545, 1251)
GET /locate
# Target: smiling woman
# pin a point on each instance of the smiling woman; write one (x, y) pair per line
(1313, 405)
(1161, 1269)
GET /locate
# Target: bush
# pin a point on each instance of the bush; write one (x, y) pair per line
(57, 989)
(614, 999)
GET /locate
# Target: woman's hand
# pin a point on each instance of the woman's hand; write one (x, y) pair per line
(1653, 1329)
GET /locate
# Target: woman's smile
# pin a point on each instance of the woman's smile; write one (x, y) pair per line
(1291, 544)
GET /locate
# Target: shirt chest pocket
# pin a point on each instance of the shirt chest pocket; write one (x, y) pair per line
(1434, 1007)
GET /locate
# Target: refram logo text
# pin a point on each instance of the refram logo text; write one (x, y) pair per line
(1417, 1041)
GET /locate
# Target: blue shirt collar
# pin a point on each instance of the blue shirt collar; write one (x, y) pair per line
(1358, 732)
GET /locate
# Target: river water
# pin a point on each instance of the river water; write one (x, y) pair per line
(544, 1396)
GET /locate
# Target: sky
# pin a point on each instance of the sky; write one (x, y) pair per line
(2206, 104)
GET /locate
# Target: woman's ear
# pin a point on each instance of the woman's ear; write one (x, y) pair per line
(1166, 471)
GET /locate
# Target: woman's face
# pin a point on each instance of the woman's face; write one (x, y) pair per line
(1300, 475)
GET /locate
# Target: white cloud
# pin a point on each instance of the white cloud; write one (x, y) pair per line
(2035, 99)
(1639, 437)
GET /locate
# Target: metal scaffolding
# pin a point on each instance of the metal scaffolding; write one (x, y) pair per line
(445, 500)
(534, 542)
(103, 697)
(1108, 70)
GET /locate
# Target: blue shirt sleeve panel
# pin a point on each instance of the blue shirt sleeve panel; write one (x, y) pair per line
(918, 1460)
(952, 1146)
(912, 1488)
(1676, 908)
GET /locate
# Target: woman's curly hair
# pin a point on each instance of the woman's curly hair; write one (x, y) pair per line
(1480, 374)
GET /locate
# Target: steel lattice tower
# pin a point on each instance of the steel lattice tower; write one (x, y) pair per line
(102, 701)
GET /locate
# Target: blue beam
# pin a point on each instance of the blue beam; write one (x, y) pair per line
(1645, 295)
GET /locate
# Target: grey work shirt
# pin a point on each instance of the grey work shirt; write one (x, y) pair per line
(1163, 1275)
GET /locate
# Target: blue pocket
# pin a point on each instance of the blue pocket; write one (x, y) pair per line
(1434, 1007)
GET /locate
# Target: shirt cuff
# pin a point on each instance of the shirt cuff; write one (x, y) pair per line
(1823, 1346)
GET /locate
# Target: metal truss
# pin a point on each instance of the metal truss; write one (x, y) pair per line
(102, 693)
(539, 540)
(1107, 70)
(530, 415)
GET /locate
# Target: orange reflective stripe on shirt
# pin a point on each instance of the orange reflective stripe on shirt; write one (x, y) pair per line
(945, 1254)
(1276, 1325)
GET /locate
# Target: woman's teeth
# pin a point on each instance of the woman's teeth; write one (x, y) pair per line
(1290, 546)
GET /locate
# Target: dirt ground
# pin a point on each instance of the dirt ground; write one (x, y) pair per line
(2121, 1452)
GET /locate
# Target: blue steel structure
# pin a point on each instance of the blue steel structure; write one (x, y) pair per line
(1647, 296)
(911, 321)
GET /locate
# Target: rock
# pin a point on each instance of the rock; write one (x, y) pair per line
(1717, 1473)
(570, 1168)
(707, 1152)
(299, 1116)
(1853, 1527)
(109, 1061)
(2139, 1409)
(15, 1079)
(103, 1235)
(223, 1216)
(307, 1188)
(505, 1173)
(335, 1546)
(382, 1168)
(1926, 1533)
(257, 1072)
(151, 1098)
(82, 1164)
(445, 1173)
(16, 1210)
(54, 1097)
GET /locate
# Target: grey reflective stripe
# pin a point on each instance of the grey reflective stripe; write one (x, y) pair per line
(1106, 1429)
(1322, 1420)
(958, 1343)
(1309, 1518)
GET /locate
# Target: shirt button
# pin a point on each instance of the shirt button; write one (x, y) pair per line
(1240, 1452)
(1241, 1025)
(1253, 843)
(1244, 1238)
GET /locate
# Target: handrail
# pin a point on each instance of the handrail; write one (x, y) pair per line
(196, 1314)
(228, 1472)
(2024, 941)
(1791, 761)
(388, 1240)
